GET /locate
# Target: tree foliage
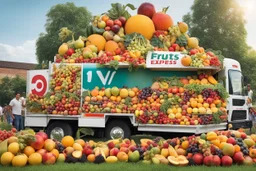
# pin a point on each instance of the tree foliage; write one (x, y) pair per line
(61, 15)
(219, 25)
(9, 86)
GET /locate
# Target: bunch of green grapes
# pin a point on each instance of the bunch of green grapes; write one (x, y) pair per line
(174, 31)
(139, 44)
(95, 20)
(166, 40)
(148, 155)
(25, 137)
(64, 33)
(196, 62)
(205, 148)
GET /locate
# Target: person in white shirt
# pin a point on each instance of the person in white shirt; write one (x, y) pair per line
(16, 105)
(249, 103)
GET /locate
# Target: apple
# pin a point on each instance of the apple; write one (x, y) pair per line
(198, 158)
(61, 158)
(165, 145)
(125, 149)
(134, 156)
(110, 23)
(207, 160)
(111, 145)
(122, 19)
(216, 160)
(146, 9)
(42, 151)
(243, 135)
(118, 22)
(49, 158)
(231, 140)
(49, 145)
(87, 151)
(41, 133)
(38, 143)
(101, 24)
(226, 161)
(115, 28)
(193, 51)
(132, 148)
(238, 157)
(70, 51)
(209, 100)
(248, 160)
(114, 151)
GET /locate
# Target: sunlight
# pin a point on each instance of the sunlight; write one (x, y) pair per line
(249, 8)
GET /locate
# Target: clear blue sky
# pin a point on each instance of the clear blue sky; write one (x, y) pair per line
(23, 20)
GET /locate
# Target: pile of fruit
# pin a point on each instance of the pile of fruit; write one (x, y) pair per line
(64, 95)
(184, 101)
(116, 36)
(219, 148)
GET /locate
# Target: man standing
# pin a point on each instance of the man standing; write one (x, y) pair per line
(1, 114)
(16, 105)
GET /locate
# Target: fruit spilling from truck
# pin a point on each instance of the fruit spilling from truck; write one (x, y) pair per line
(215, 148)
(144, 41)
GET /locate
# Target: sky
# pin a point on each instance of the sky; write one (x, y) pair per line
(23, 20)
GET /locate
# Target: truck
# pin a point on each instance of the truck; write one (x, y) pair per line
(117, 123)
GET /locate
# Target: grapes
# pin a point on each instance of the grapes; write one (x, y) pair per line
(219, 152)
(209, 93)
(145, 93)
(205, 119)
(193, 148)
(196, 61)
(174, 31)
(186, 96)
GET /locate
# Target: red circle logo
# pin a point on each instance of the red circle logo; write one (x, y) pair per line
(40, 85)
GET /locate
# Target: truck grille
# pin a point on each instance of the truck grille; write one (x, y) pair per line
(238, 115)
(238, 102)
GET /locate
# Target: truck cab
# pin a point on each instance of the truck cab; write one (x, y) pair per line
(232, 78)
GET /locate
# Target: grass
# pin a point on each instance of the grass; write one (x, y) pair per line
(123, 166)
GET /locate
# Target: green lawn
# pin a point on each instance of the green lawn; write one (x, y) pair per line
(124, 167)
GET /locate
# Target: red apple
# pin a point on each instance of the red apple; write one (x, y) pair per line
(111, 145)
(114, 151)
(70, 51)
(231, 140)
(216, 161)
(49, 158)
(226, 161)
(110, 23)
(132, 148)
(243, 135)
(146, 9)
(193, 51)
(165, 145)
(38, 143)
(122, 19)
(42, 134)
(115, 28)
(42, 151)
(87, 151)
(198, 158)
(118, 22)
(207, 160)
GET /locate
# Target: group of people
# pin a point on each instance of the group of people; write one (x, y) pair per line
(14, 112)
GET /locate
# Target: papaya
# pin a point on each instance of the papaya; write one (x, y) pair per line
(212, 80)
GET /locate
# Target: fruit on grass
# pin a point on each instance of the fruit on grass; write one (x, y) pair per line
(38, 143)
(19, 160)
(134, 156)
(198, 158)
(248, 160)
(146, 9)
(122, 156)
(48, 158)
(61, 157)
(35, 159)
(14, 148)
(228, 149)
(226, 161)
(179, 160)
(67, 141)
(96, 40)
(28, 150)
(77, 147)
(138, 23)
(6, 158)
(238, 157)
(49, 145)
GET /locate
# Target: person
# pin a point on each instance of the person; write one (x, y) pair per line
(23, 101)
(16, 106)
(1, 114)
(249, 103)
(8, 116)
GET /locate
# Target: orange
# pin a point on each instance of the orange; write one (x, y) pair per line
(111, 46)
(29, 150)
(55, 152)
(96, 40)
(91, 157)
(237, 148)
(185, 145)
(67, 141)
(138, 23)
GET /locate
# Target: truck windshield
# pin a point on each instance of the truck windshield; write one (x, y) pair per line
(235, 82)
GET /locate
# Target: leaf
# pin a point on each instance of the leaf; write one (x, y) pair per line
(86, 131)
(156, 42)
(131, 6)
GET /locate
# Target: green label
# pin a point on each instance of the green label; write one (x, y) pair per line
(108, 77)
(162, 56)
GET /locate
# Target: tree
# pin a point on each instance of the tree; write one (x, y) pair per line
(61, 15)
(219, 25)
(9, 86)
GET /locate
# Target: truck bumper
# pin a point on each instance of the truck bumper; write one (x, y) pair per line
(241, 124)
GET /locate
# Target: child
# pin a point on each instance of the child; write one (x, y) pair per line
(8, 114)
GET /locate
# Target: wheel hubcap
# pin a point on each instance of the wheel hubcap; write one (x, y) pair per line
(116, 133)
(57, 133)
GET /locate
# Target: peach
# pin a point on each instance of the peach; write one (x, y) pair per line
(122, 156)
(49, 158)
(49, 145)
(228, 149)
(124, 149)
(114, 151)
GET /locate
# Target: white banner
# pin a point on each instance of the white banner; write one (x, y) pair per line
(37, 82)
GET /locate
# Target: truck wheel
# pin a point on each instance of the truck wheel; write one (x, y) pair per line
(57, 130)
(117, 129)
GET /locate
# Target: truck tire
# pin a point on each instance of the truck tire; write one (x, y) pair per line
(60, 129)
(120, 127)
